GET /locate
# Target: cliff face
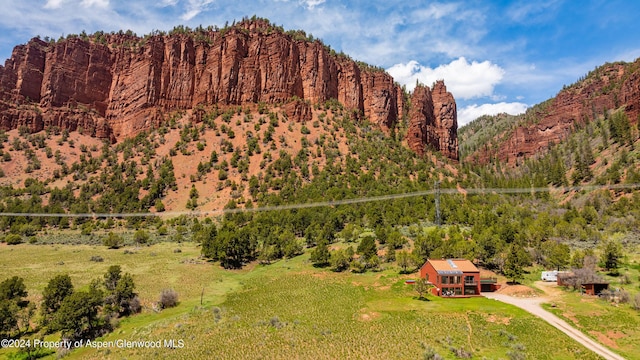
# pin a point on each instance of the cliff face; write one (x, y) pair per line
(119, 85)
(433, 121)
(613, 86)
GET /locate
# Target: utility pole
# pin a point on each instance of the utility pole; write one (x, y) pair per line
(437, 186)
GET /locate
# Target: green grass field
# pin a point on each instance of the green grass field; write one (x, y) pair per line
(288, 309)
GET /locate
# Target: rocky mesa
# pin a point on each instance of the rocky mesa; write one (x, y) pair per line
(117, 85)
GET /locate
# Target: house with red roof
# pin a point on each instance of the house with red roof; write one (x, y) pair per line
(452, 277)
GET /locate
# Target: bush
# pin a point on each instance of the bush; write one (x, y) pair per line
(159, 206)
(162, 230)
(96, 258)
(168, 299)
(430, 353)
(112, 241)
(636, 302)
(134, 305)
(13, 239)
(624, 297)
(461, 353)
(141, 237)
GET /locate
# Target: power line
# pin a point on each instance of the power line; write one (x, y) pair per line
(337, 202)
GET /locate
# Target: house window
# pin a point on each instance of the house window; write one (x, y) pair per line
(450, 279)
(469, 291)
(451, 291)
(469, 280)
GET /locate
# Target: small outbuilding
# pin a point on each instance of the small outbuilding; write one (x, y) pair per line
(595, 288)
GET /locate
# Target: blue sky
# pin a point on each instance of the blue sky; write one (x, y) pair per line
(495, 56)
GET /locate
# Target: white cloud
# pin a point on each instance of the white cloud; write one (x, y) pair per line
(472, 112)
(195, 7)
(57, 4)
(463, 79)
(53, 4)
(629, 55)
(533, 12)
(436, 11)
(310, 4)
(97, 3)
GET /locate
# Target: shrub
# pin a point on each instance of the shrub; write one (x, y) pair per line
(112, 241)
(636, 302)
(222, 175)
(624, 297)
(461, 353)
(96, 258)
(430, 353)
(168, 299)
(159, 205)
(134, 305)
(162, 230)
(141, 237)
(13, 239)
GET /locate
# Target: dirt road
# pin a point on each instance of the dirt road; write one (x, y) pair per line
(532, 305)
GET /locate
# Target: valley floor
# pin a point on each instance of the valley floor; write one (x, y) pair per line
(288, 309)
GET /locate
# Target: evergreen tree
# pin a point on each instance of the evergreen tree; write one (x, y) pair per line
(391, 253)
(208, 240)
(403, 260)
(367, 247)
(515, 262)
(8, 318)
(13, 289)
(58, 289)
(320, 256)
(341, 259)
(619, 127)
(557, 254)
(611, 255)
(78, 316)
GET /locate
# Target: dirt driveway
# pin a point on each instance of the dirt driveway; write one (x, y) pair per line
(532, 305)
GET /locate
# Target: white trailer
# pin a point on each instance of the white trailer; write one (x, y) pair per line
(549, 275)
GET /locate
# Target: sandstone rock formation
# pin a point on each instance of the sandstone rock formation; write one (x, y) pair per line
(433, 121)
(610, 87)
(116, 85)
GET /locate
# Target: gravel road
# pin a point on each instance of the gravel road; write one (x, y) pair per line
(532, 305)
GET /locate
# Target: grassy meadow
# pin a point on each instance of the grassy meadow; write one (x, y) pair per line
(287, 309)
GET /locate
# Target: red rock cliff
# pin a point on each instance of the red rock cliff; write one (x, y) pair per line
(117, 85)
(611, 87)
(433, 121)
